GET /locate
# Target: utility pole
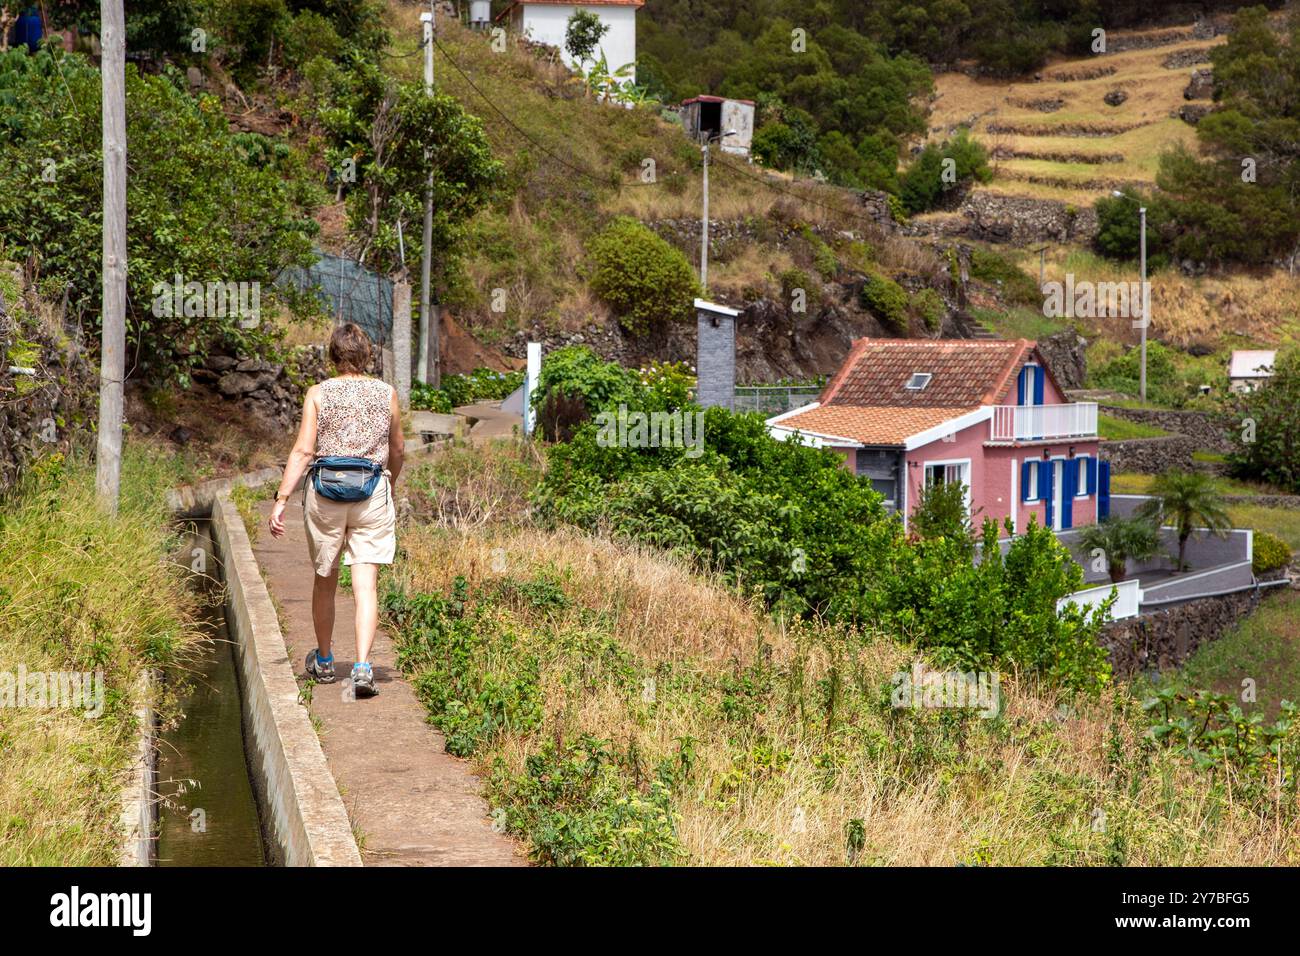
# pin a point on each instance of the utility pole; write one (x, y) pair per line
(112, 359)
(428, 370)
(704, 224)
(1146, 305)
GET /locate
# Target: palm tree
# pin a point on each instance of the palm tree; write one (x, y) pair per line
(1187, 500)
(1119, 539)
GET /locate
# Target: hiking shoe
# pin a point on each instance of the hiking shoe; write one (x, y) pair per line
(322, 672)
(363, 680)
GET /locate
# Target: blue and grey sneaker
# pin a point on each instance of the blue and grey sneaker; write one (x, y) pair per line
(363, 680)
(320, 669)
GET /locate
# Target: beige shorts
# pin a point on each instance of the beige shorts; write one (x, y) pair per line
(366, 531)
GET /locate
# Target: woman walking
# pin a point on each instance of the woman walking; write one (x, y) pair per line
(349, 447)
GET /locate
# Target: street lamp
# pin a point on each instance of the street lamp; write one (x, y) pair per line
(1146, 297)
(704, 231)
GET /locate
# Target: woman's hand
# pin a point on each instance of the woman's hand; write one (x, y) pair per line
(277, 518)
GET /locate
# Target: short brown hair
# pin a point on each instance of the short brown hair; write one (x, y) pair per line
(350, 349)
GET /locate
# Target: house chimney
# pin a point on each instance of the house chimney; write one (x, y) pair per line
(715, 354)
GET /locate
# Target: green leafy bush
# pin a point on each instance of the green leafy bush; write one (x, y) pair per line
(1213, 732)
(887, 300)
(927, 183)
(1123, 373)
(202, 202)
(928, 305)
(647, 282)
(1017, 286)
(793, 524)
(1267, 421)
(1271, 553)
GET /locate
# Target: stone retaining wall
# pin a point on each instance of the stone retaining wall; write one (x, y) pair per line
(1165, 638)
(39, 413)
(1211, 432)
(1263, 501)
(1149, 456)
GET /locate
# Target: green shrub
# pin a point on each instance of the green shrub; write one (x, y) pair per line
(795, 279)
(1123, 373)
(308, 35)
(1271, 553)
(941, 513)
(647, 282)
(887, 300)
(480, 385)
(1265, 425)
(1017, 286)
(923, 186)
(928, 305)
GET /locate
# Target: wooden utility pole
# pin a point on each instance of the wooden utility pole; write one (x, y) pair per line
(704, 219)
(429, 362)
(112, 360)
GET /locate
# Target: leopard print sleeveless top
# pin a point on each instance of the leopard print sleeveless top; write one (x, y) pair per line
(354, 417)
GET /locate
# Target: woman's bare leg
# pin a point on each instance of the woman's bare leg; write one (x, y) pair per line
(365, 594)
(322, 610)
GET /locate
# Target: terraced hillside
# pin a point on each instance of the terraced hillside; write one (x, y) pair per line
(1055, 136)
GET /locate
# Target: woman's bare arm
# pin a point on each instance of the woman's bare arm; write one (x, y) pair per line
(396, 441)
(304, 448)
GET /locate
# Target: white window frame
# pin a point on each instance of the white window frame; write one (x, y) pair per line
(964, 463)
(1081, 475)
(1034, 465)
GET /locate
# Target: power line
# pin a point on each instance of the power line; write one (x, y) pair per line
(601, 180)
(604, 181)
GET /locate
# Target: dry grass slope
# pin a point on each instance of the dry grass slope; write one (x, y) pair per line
(797, 757)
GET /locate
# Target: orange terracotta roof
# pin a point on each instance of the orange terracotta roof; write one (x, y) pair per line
(870, 425)
(965, 372)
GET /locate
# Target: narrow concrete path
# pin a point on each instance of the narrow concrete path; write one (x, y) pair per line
(411, 803)
(491, 421)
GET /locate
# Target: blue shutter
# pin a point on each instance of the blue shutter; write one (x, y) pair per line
(1039, 376)
(1092, 475)
(1070, 482)
(1026, 492)
(1103, 494)
(1045, 488)
(1020, 385)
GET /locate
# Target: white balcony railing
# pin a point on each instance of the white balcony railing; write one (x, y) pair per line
(1044, 422)
(1128, 600)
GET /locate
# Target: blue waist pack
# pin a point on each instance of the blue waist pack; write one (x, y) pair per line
(345, 479)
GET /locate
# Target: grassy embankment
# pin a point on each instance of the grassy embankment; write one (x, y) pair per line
(588, 167)
(624, 708)
(79, 593)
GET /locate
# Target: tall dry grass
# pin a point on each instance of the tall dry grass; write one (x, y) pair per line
(81, 592)
(823, 771)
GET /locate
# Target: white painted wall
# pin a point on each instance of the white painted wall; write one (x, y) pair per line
(547, 22)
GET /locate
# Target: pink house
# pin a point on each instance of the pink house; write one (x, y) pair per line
(985, 413)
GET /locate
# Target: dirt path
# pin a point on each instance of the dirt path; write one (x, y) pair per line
(411, 803)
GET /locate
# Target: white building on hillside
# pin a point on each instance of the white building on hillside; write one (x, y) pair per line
(1249, 367)
(545, 21)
